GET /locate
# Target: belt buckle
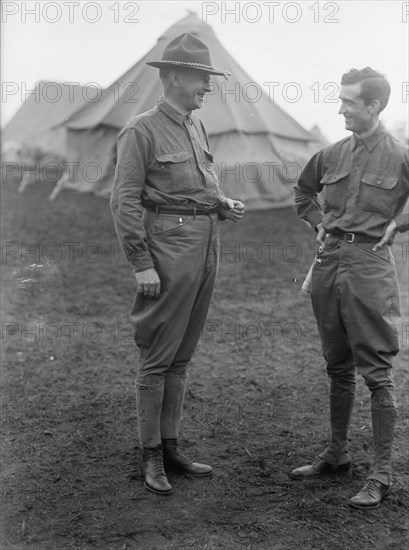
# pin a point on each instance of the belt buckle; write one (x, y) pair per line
(349, 237)
(207, 210)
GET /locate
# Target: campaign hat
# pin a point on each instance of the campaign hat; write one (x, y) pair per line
(187, 51)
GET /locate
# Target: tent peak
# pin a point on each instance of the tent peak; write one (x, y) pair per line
(195, 25)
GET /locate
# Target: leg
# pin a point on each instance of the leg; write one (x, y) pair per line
(384, 414)
(172, 407)
(164, 326)
(370, 306)
(340, 366)
(161, 325)
(342, 397)
(337, 353)
(171, 415)
(175, 377)
(149, 396)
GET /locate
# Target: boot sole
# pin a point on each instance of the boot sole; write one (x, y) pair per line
(370, 507)
(183, 472)
(337, 474)
(358, 507)
(162, 493)
(344, 470)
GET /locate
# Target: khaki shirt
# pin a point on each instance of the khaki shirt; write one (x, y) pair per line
(365, 183)
(163, 158)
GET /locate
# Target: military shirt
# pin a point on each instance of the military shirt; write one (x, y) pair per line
(365, 183)
(163, 158)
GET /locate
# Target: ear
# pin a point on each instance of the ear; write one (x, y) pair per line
(175, 78)
(374, 106)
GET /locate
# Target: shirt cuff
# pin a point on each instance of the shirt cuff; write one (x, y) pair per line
(142, 267)
(141, 262)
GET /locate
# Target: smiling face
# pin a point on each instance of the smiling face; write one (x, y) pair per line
(359, 118)
(192, 86)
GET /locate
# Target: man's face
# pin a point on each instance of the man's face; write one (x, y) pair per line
(193, 87)
(358, 116)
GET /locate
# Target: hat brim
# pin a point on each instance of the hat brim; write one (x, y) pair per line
(195, 66)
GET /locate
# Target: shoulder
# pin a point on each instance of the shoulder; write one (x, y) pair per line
(337, 147)
(330, 151)
(143, 120)
(140, 125)
(396, 145)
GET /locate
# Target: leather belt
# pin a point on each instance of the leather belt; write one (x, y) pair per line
(181, 210)
(354, 237)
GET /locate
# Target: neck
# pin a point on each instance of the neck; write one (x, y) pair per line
(174, 103)
(364, 134)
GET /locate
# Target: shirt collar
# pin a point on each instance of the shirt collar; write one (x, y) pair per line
(172, 113)
(371, 141)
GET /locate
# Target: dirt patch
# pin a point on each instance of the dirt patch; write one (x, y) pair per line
(256, 406)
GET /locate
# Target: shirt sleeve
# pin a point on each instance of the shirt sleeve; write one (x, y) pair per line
(127, 210)
(307, 204)
(402, 220)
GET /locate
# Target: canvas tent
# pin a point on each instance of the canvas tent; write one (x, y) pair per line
(256, 145)
(320, 139)
(258, 148)
(38, 121)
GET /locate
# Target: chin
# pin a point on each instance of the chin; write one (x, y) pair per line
(349, 127)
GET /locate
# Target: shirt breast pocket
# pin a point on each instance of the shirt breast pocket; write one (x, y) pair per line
(174, 170)
(335, 190)
(378, 194)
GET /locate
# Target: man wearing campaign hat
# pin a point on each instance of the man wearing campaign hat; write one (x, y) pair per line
(166, 203)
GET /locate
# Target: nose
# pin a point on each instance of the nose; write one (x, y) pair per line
(207, 87)
(341, 110)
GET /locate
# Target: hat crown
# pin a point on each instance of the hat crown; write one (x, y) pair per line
(186, 48)
(187, 51)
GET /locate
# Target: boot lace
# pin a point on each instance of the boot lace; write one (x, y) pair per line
(176, 456)
(370, 487)
(157, 460)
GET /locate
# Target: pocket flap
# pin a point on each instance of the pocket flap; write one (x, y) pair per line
(180, 156)
(385, 182)
(332, 177)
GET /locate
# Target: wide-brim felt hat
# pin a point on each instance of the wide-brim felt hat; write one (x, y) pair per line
(189, 52)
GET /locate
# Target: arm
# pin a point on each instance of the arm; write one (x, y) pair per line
(401, 221)
(127, 210)
(388, 236)
(306, 192)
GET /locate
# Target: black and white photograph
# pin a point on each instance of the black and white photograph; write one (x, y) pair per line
(204, 275)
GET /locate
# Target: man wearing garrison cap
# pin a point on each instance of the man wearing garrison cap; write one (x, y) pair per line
(166, 203)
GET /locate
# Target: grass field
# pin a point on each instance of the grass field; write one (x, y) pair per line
(256, 405)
